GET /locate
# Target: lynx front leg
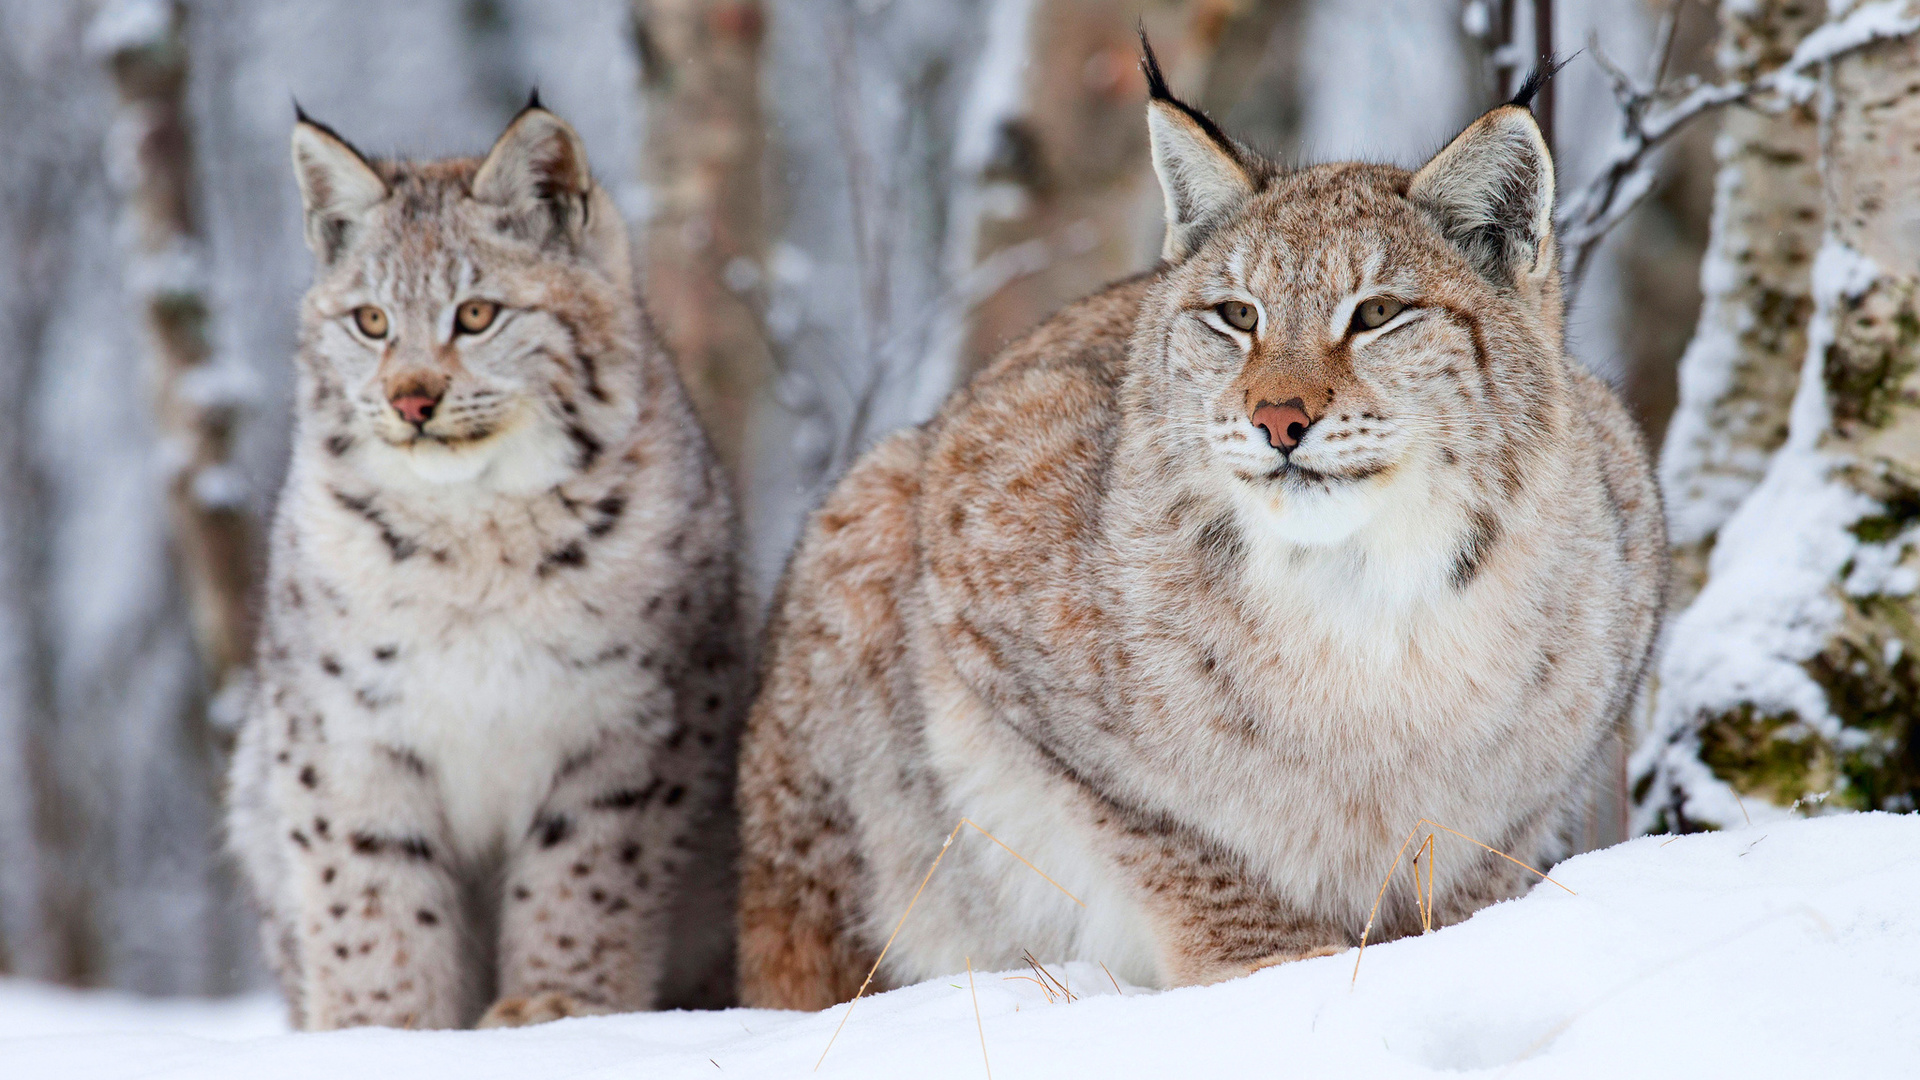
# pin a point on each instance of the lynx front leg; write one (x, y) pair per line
(378, 930)
(588, 889)
(1215, 921)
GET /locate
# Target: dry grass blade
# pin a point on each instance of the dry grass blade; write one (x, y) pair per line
(1423, 901)
(1485, 847)
(977, 1021)
(1044, 988)
(1022, 858)
(1111, 979)
(935, 865)
(1046, 978)
(868, 981)
(1381, 895)
(1427, 908)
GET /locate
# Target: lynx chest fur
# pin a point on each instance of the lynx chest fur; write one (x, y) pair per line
(1208, 591)
(501, 663)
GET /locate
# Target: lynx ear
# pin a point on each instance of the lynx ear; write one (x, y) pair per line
(537, 170)
(1492, 192)
(1203, 173)
(337, 185)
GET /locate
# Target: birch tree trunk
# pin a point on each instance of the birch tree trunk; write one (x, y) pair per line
(705, 238)
(1791, 682)
(32, 943)
(196, 403)
(872, 111)
(1738, 375)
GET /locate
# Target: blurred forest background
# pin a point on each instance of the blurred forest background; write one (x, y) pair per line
(843, 207)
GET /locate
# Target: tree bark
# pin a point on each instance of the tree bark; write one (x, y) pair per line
(1739, 372)
(195, 404)
(705, 241)
(1791, 682)
(1069, 199)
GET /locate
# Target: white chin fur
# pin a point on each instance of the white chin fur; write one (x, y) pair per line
(525, 458)
(437, 463)
(1312, 518)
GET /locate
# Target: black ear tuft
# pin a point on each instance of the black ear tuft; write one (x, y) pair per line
(300, 117)
(533, 99)
(1157, 91)
(1536, 79)
(1206, 176)
(1150, 65)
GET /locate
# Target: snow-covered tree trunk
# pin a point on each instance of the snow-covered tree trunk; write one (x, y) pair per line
(1738, 374)
(196, 402)
(30, 944)
(1791, 681)
(872, 110)
(705, 234)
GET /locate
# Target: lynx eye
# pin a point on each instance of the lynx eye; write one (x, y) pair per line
(474, 316)
(371, 321)
(1240, 315)
(1374, 312)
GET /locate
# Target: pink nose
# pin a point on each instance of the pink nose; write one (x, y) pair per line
(1286, 424)
(415, 408)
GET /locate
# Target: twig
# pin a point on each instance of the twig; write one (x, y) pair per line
(1651, 114)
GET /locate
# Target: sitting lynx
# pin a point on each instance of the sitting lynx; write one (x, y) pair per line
(1205, 592)
(501, 662)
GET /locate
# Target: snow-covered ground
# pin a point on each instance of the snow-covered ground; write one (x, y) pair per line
(1786, 950)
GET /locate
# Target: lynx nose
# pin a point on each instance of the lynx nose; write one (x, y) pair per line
(415, 407)
(1286, 424)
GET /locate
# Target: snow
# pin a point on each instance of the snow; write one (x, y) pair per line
(128, 24)
(1770, 601)
(1866, 24)
(1705, 473)
(1787, 950)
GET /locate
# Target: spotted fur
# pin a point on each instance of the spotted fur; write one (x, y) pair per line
(1205, 686)
(502, 666)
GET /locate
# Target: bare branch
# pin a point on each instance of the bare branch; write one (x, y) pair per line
(1649, 116)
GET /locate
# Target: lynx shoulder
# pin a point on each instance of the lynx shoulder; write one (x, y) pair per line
(1205, 593)
(501, 665)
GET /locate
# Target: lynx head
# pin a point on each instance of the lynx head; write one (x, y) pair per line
(468, 320)
(1336, 340)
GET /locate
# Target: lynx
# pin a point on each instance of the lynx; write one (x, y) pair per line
(500, 670)
(1204, 593)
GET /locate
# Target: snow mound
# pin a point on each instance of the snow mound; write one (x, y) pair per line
(1786, 950)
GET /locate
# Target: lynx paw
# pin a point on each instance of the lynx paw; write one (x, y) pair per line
(537, 1009)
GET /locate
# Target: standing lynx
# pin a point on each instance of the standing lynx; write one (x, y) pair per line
(501, 662)
(1209, 589)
